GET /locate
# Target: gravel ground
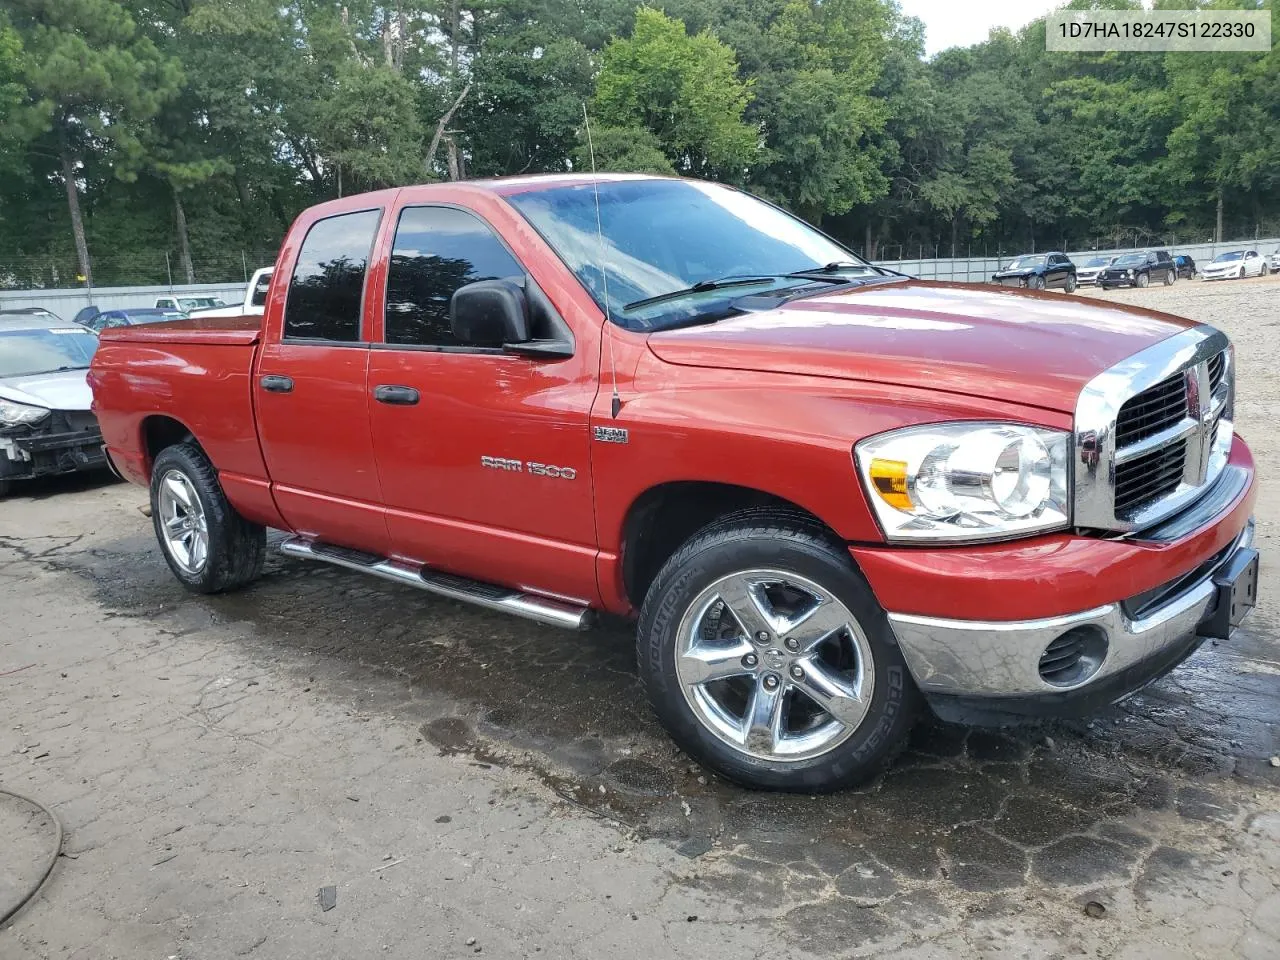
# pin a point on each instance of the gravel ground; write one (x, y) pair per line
(470, 783)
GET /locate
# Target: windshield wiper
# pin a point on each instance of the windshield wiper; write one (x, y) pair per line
(704, 285)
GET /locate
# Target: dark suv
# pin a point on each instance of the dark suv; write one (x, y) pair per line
(1186, 266)
(1037, 271)
(1139, 270)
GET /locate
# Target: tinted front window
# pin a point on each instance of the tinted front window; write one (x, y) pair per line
(327, 288)
(437, 250)
(657, 237)
(25, 352)
(1025, 263)
(1131, 260)
(1224, 257)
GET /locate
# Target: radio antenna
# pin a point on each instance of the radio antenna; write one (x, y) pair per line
(616, 404)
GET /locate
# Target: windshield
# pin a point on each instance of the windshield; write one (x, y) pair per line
(659, 237)
(1131, 258)
(1025, 263)
(1224, 257)
(26, 352)
(1098, 262)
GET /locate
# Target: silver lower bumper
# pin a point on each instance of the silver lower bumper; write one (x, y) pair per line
(976, 658)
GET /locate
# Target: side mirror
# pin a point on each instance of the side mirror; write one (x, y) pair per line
(490, 313)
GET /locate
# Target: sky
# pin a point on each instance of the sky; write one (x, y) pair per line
(959, 23)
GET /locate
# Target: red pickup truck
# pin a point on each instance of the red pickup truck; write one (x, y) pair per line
(829, 492)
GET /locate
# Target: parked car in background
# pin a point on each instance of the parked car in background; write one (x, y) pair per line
(46, 426)
(849, 490)
(1273, 262)
(189, 304)
(1038, 271)
(255, 298)
(84, 316)
(1139, 270)
(1088, 274)
(39, 314)
(1236, 265)
(131, 317)
(1185, 267)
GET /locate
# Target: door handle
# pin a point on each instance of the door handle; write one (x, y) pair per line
(395, 394)
(274, 384)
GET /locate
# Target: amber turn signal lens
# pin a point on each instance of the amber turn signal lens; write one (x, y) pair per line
(890, 480)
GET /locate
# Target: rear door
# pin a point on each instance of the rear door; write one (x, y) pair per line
(484, 456)
(312, 405)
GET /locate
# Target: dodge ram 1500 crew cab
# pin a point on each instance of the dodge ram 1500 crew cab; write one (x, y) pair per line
(829, 493)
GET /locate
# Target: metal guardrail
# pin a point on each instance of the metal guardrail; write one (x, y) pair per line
(66, 303)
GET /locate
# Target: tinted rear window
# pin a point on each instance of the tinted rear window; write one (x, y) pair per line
(327, 288)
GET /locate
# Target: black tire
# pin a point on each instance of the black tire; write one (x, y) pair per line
(1071, 283)
(1141, 280)
(1036, 282)
(775, 540)
(236, 547)
(1170, 278)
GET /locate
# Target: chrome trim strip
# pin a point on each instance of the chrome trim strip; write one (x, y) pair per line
(1182, 428)
(1099, 405)
(1002, 658)
(542, 609)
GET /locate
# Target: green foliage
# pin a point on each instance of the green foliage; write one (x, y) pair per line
(685, 90)
(623, 150)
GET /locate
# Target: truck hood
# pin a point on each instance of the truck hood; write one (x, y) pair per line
(981, 341)
(66, 390)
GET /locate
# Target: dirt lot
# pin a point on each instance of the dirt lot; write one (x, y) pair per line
(476, 784)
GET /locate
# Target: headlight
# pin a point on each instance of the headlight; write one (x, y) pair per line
(12, 414)
(966, 480)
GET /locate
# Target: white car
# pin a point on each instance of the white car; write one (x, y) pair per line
(1236, 264)
(46, 424)
(189, 304)
(1087, 274)
(255, 298)
(1275, 260)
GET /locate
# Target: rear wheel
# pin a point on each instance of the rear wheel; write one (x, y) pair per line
(1071, 283)
(766, 656)
(1169, 278)
(207, 544)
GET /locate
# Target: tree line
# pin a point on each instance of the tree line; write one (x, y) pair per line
(202, 127)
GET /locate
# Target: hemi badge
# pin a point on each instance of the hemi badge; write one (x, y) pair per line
(611, 434)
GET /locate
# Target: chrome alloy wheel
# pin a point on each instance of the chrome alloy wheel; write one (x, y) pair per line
(774, 665)
(182, 520)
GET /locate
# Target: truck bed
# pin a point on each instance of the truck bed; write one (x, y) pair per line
(238, 330)
(160, 381)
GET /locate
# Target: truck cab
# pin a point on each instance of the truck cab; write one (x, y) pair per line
(830, 495)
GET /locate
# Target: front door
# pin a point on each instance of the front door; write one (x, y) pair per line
(312, 405)
(483, 456)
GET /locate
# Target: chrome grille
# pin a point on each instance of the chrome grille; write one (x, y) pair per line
(1152, 475)
(1153, 432)
(1151, 411)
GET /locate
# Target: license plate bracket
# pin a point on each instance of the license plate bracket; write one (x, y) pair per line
(1237, 583)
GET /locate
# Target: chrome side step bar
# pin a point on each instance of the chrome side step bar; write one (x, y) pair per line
(555, 613)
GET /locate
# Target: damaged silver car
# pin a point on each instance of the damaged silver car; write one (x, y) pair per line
(46, 426)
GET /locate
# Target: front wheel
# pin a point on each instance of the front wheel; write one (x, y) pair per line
(1036, 283)
(207, 544)
(1141, 280)
(766, 656)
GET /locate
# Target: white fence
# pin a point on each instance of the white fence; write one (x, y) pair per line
(67, 303)
(980, 269)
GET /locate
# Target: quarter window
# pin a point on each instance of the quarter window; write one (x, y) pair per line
(437, 250)
(327, 287)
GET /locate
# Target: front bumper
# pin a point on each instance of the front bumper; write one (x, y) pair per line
(1134, 608)
(46, 454)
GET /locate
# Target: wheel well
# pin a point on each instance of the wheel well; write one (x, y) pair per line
(664, 517)
(159, 432)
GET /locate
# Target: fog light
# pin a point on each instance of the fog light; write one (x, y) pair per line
(1073, 657)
